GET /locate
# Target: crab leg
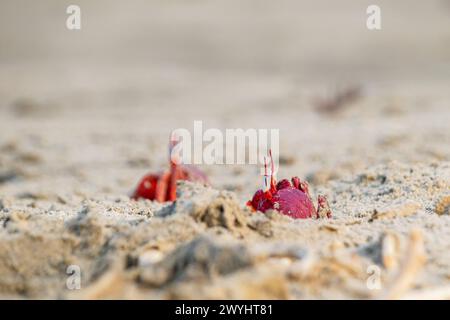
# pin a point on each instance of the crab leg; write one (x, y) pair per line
(273, 187)
(323, 208)
(266, 184)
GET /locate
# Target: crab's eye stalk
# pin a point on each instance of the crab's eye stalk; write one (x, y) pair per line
(174, 148)
(266, 176)
(174, 139)
(272, 172)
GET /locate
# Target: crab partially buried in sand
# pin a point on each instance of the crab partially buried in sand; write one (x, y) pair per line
(162, 186)
(290, 198)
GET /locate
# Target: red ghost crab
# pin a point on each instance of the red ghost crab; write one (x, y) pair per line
(163, 186)
(290, 198)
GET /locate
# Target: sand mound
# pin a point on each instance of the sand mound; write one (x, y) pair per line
(207, 244)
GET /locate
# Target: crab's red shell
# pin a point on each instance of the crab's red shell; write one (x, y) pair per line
(291, 199)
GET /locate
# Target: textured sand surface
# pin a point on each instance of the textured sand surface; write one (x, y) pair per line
(85, 115)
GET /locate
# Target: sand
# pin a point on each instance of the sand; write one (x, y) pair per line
(80, 127)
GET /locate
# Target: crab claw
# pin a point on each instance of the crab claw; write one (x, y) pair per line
(323, 208)
(261, 201)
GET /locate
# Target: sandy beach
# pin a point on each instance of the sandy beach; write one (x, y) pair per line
(85, 114)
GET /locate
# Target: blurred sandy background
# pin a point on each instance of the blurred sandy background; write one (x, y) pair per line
(85, 113)
(147, 67)
(309, 40)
